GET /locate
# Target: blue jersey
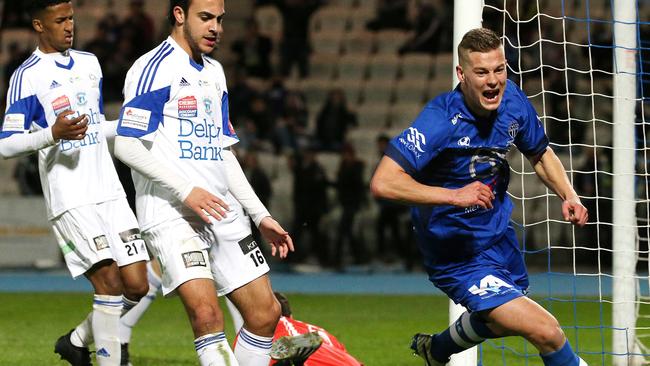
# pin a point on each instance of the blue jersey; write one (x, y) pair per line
(447, 146)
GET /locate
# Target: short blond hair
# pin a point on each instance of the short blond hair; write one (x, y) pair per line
(478, 40)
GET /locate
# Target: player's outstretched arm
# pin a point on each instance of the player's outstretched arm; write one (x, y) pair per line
(133, 153)
(279, 239)
(551, 172)
(21, 144)
(391, 182)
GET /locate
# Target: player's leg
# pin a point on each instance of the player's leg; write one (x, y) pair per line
(86, 251)
(260, 311)
(131, 318)
(239, 269)
(186, 271)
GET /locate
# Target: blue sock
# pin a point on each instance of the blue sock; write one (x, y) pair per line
(466, 332)
(562, 357)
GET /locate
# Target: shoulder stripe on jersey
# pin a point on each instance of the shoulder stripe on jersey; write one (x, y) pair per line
(153, 76)
(161, 48)
(14, 77)
(155, 60)
(18, 79)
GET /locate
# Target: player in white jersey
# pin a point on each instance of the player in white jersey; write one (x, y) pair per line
(54, 108)
(174, 133)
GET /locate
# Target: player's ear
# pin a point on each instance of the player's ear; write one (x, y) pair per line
(459, 73)
(37, 25)
(179, 15)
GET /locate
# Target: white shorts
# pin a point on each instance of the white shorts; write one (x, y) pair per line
(92, 233)
(224, 251)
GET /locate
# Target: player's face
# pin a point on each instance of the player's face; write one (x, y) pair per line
(483, 80)
(203, 25)
(55, 27)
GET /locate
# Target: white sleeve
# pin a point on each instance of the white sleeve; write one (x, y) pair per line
(133, 153)
(21, 144)
(109, 128)
(242, 190)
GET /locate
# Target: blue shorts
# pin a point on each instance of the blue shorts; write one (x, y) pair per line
(488, 279)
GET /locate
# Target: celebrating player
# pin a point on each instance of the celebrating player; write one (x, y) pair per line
(174, 133)
(54, 107)
(450, 166)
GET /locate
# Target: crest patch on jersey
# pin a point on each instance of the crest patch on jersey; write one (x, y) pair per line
(187, 107)
(136, 118)
(194, 259)
(60, 104)
(14, 122)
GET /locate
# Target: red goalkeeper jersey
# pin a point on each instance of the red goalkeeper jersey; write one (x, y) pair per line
(330, 353)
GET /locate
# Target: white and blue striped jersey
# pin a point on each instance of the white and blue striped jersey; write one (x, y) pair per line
(179, 109)
(73, 173)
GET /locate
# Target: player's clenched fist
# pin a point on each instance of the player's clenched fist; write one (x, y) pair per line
(475, 193)
(69, 128)
(574, 212)
(205, 204)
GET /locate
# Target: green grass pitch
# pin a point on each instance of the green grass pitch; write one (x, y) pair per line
(376, 329)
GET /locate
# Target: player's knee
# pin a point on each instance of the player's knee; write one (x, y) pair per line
(548, 337)
(264, 322)
(136, 291)
(204, 315)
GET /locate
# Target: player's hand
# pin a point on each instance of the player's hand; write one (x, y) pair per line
(574, 212)
(280, 241)
(473, 194)
(206, 205)
(69, 128)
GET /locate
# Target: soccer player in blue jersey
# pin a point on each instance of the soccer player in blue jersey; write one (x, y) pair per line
(174, 132)
(450, 166)
(55, 109)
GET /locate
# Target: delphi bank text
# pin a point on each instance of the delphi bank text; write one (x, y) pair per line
(198, 140)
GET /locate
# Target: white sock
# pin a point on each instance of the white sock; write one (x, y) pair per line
(82, 336)
(237, 320)
(127, 304)
(253, 350)
(213, 350)
(106, 320)
(131, 318)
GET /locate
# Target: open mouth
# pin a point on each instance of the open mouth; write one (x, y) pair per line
(491, 95)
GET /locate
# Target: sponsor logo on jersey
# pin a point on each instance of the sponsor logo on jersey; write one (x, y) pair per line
(207, 103)
(60, 104)
(248, 244)
(455, 119)
(183, 82)
(194, 259)
(14, 122)
(101, 242)
(81, 98)
(136, 118)
(489, 286)
(187, 107)
(464, 141)
(204, 83)
(130, 235)
(200, 140)
(413, 140)
(54, 84)
(231, 128)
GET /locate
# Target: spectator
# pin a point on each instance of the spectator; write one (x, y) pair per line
(138, 28)
(333, 121)
(27, 176)
(310, 204)
(253, 51)
(100, 44)
(433, 34)
(391, 14)
(295, 34)
(291, 126)
(351, 192)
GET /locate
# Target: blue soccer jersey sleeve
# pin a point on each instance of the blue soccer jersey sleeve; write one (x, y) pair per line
(531, 138)
(417, 145)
